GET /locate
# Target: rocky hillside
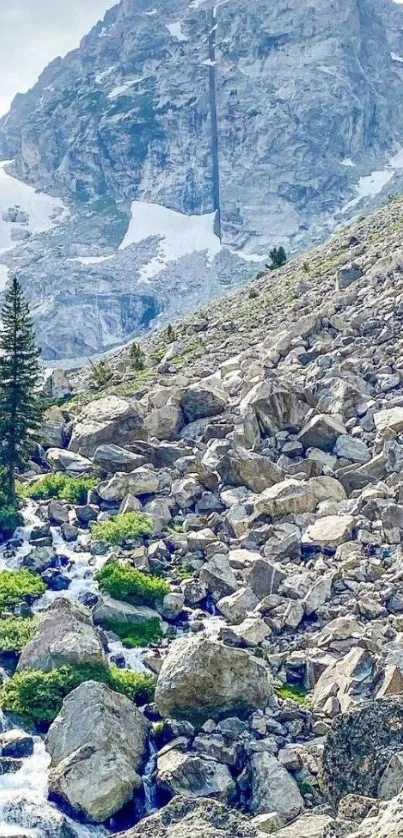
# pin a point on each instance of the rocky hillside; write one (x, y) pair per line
(185, 139)
(233, 640)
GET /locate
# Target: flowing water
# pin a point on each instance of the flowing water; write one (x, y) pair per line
(24, 806)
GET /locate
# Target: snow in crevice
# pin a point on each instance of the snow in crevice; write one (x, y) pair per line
(121, 89)
(347, 162)
(175, 29)
(179, 235)
(40, 212)
(396, 57)
(371, 185)
(87, 260)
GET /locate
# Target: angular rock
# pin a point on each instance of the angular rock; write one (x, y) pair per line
(190, 817)
(289, 497)
(329, 532)
(68, 461)
(272, 788)
(65, 636)
(141, 481)
(244, 468)
(194, 775)
(235, 606)
(112, 458)
(201, 400)
(275, 405)
(107, 420)
(390, 419)
(352, 449)
(218, 576)
(322, 432)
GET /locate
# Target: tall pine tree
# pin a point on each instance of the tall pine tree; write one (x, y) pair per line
(20, 404)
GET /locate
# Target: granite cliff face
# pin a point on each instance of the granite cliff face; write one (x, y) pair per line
(251, 126)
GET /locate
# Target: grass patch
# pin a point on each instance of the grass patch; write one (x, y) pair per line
(60, 486)
(38, 696)
(129, 526)
(295, 692)
(131, 585)
(19, 586)
(16, 632)
(136, 634)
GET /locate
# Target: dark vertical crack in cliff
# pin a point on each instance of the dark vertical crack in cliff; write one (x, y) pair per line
(212, 25)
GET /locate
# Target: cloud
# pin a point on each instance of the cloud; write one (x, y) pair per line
(33, 32)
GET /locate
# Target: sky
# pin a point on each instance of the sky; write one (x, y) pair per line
(33, 32)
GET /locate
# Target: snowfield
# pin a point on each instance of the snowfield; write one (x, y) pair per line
(180, 234)
(43, 211)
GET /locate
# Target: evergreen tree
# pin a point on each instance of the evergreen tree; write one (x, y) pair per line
(278, 258)
(20, 404)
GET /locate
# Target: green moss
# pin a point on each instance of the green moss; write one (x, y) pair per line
(16, 632)
(128, 526)
(131, 585)
(19, 586)
(62, 487)
(136, 634)
(295, 692)
(38, 696)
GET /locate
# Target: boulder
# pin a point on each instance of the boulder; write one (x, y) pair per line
(58, 512)
(289, 497)
(164, 422)
(141, 481)
(39, 559)
(384, 823)
(308, 826)
(113, 458)
(236, 606)
(107, 420)
(322, 432)
(264, 577)
(186, 817)
(272, 788)
(276, 406)
(97, 746)
(244, 468)
(202, 679)
(360, 745)
(65, 636)
(345, 681)
(114, 610)
(218, 576)
(61, 460)
(193, 775)
(202, 400)
(329, 532)
(351, 448)
(348, 274)
(390, 419)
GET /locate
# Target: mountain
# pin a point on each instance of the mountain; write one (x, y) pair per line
(181, 141)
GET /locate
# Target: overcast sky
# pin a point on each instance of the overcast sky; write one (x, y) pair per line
(33, 32)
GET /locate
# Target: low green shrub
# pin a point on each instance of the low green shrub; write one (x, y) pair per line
(129, 526)
(18, 586)
(295, 692)
(16, 632)
(60, 486)
(38, 696)
(136, 634)
(101, 375)
(130, 585)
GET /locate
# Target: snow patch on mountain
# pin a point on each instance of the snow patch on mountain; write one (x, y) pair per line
(175, 29)
(24, 211)
(179, 234)
(372, 184)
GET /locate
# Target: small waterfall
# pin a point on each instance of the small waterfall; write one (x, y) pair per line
(150, 789)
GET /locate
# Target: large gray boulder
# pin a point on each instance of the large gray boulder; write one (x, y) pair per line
(202, 679)
(360, 746)
(241, 467)
(289, 497)
(193, 775)
(201, 400)
(112, 458)
(65, 636)
(189, 818)
(141, 481)
(97, 745)
(107, 420)
(273, 789)
(276, 406)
